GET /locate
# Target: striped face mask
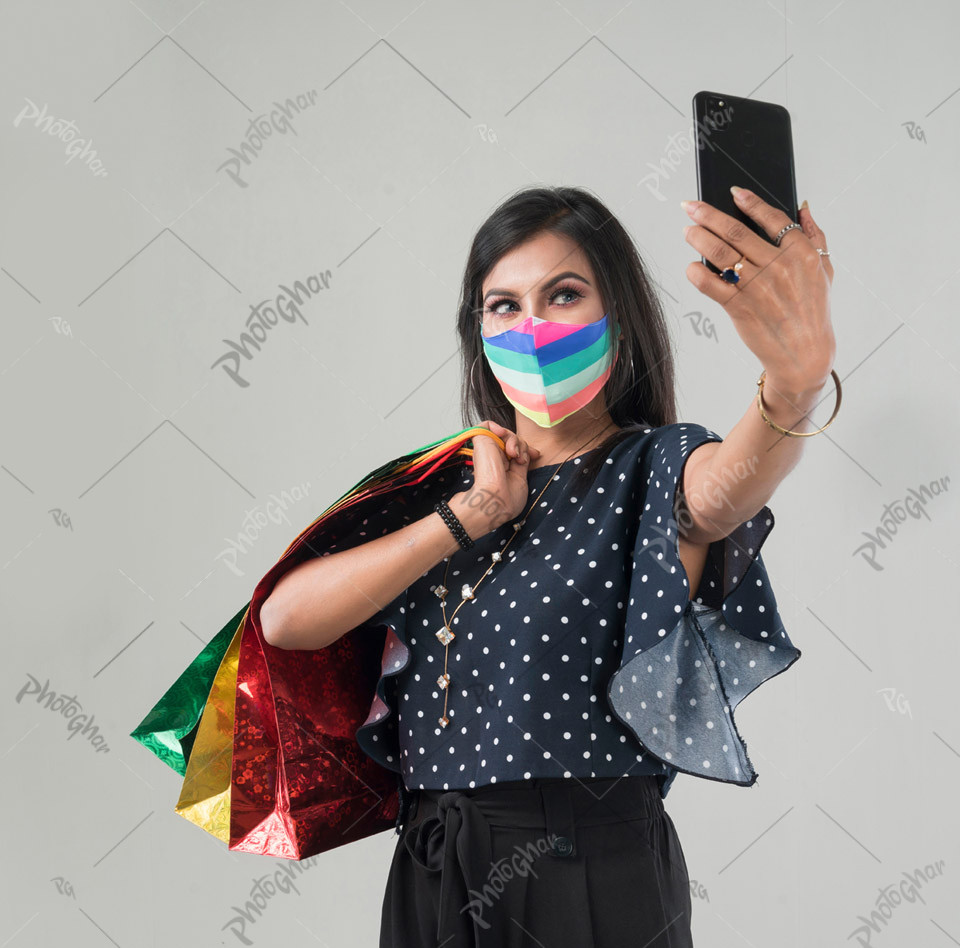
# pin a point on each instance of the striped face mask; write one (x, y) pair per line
(549, 370)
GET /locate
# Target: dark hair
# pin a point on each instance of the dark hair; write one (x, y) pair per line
(640, 390)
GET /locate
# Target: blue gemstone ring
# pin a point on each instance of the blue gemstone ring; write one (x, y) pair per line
(732, 274)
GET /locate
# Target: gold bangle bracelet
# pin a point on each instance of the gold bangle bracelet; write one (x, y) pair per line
(797, 434)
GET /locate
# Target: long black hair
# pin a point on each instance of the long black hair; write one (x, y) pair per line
(640, 390)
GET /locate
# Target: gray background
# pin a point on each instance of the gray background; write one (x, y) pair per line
(118, 290)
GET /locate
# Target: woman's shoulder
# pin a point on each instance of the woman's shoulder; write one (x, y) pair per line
(675, 431)
(657, 448)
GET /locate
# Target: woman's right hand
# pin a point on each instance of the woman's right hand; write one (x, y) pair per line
(500, 487)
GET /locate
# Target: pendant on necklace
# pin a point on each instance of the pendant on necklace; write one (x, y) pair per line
(444, 721)
(443, 680)
(445, 635)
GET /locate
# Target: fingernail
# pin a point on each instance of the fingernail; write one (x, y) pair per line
(690, 206)
(802, 206)
(738, 193)
(526, 458)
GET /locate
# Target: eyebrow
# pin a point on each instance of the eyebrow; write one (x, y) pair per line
(546, 286)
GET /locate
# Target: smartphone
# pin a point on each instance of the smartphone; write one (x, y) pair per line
(748, 143)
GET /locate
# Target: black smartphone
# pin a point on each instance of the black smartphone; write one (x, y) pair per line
(748, 143)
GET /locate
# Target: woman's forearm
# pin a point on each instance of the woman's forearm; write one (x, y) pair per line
(322, 599)
(728, 482)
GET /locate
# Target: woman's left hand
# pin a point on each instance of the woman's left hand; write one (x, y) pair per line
(781, 306)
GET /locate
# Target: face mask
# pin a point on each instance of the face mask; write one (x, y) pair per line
(549, 370)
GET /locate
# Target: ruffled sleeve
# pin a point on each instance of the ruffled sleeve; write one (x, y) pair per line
(687, 663)
(377, 736)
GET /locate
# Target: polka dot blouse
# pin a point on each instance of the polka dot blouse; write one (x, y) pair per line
(582, 654)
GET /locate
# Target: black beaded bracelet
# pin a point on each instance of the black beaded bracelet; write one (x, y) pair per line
(456, 527)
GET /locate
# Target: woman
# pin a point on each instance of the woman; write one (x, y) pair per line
(545, 691)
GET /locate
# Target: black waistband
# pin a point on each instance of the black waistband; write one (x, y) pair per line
(592, 799)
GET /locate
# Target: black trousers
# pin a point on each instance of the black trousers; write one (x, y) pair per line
(542, 863)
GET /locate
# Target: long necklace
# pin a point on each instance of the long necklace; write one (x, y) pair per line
(446, 635)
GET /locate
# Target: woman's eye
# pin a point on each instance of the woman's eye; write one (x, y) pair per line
(562, 291)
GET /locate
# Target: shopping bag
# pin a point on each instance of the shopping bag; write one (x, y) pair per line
(266, 737)
(170, 727)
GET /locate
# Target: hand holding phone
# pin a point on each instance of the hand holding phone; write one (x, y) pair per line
(776, 294)
(747, 143)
